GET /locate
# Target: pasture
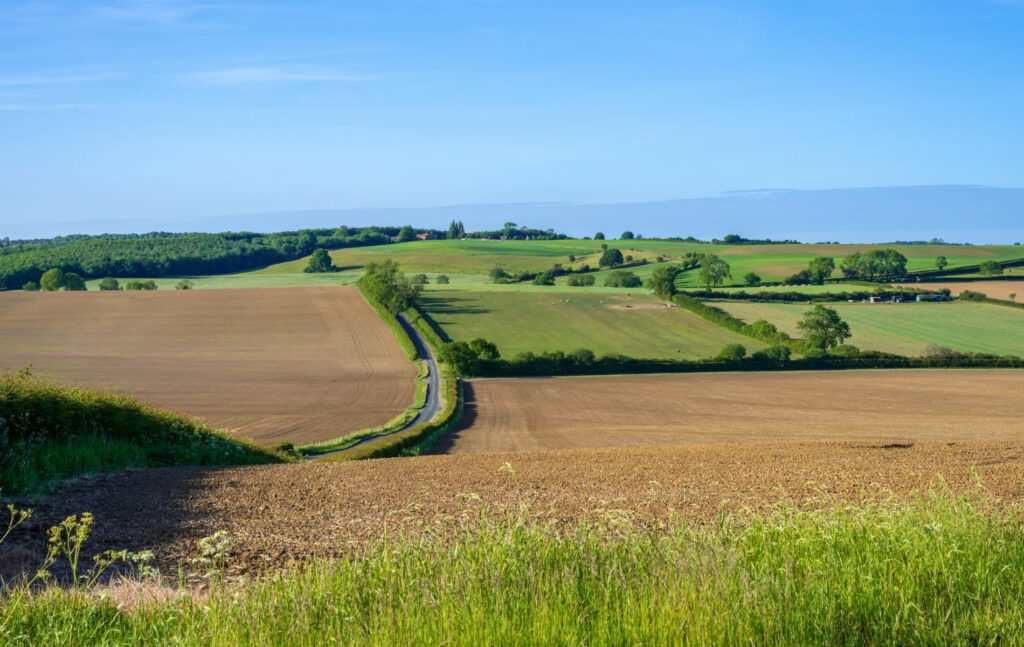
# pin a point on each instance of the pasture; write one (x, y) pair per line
(627, 411)
(551, 319)
(300, 365)
(907, 328)
(772, 262)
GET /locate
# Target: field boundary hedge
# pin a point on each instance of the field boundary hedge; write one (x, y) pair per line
(803, 297)
(726, 320)
(557, 364)
(49, 432)
(404, 341)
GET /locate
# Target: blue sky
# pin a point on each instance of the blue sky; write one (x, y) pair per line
(185, 108)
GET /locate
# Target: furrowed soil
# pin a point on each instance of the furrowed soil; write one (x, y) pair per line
(619, 411)
(281, 514)
(296, 364)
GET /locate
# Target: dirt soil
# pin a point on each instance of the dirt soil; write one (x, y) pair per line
(992, 289)
(620, 411)
(296, 364)
(284, 513)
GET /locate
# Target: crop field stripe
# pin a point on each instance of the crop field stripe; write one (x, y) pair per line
(299, 365)
(620, 411)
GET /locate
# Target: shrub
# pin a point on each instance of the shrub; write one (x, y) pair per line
(778, 353)
(109, 284)
(622, 279)
(141, 285)
(581, 280)
(185, 284)
(73, 282)
(935, 350)
(970, 295)
(30, 286)
(442, 279)
(544, 278)
(732, 353)
(419, 279)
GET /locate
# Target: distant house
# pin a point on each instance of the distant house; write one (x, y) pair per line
(426, 235)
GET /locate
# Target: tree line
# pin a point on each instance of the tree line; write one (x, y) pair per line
(165, 254)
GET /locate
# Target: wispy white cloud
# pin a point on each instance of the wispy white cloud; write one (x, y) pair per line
(53, 79)
(272, 74)
(155, 11)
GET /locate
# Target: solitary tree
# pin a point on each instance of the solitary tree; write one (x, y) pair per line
(820, 269)
(320, 261)
(751, 279)
(990, 268)
(713, 271)
(941, 263)
(498, 274)
(52, 280)
(109, 284)
(599, 236)
(74, 282)
(627, 235)
(611, 258)
(663, 281)
(823, 328)
(442, 279)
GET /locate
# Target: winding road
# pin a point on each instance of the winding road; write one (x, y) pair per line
(432, 403)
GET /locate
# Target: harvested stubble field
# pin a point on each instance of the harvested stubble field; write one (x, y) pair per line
(302, 364)
(284, 513)
(882, 405)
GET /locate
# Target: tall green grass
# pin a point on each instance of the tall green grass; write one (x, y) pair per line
(938, 570)
(50, 432)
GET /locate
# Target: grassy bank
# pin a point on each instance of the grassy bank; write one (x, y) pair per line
(937, 570)
(50, 432)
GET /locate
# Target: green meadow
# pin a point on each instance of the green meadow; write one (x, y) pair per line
(907, 328)
(551, 319)
(771, 262)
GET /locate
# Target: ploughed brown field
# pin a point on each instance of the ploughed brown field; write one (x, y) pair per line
(991, 289)
(296, 364)
(619, 411)
(283, 513)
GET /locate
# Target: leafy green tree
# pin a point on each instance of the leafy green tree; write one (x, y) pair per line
(823, 328)
(875, 264)
(713, 271)
(663, 281)
(572, 258)
(392, 289)
(149, 284)
(459, 356)
(990, 268)
(599, 236)
(622, 279)
(777, 353)
(627, 235)
(30, 286)
(74, 283)
(419, 279)
(456, 230)
(485, 349)
(320, 261)
(109, 284)
(583, 356)
(52, 280)
(941, 263)
(405, 235)
(611, 258)
(751, 279)
(732, 353)
(442, 279)
(185, 284)
(820, 268)
(580, 280)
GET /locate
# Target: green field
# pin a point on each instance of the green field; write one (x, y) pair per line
(552, 319)
(771, 262)
(907, 328)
